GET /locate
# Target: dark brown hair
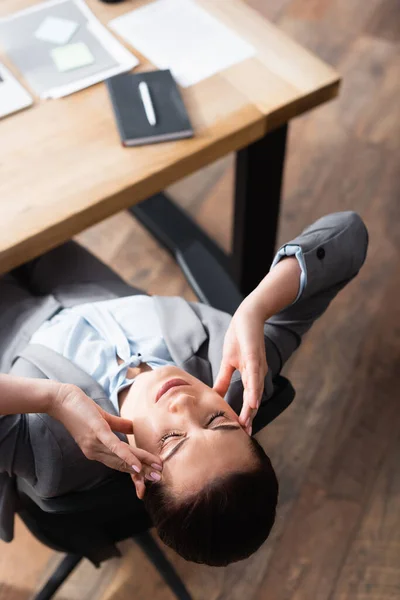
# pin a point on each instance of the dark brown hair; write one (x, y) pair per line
(224, 522)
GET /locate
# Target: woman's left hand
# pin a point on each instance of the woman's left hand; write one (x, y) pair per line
(93, 430)
(244, 350)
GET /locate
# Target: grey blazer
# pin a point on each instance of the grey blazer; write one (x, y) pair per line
(37, 447)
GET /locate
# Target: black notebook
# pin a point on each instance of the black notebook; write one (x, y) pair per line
(172, 120)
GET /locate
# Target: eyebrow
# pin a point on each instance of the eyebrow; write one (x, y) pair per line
(227, 426)
(179, 444)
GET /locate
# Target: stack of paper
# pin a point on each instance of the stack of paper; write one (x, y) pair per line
(13, 96)
(181, 36)
(60, 47)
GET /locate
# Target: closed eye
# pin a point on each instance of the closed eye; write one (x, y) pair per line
(171, 434)
(225, 423)
(220, 413)
(176, 434)
(221, 427)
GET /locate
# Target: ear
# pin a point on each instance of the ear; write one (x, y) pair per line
(138, 482)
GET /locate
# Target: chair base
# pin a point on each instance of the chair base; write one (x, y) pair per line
(154, 553)
(56, 580)
(148, 545)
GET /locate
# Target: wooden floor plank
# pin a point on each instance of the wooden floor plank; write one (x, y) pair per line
(270, 10)
(371, 570)
(339, 24)
(21, 564)
(379, 121)
(385, 21)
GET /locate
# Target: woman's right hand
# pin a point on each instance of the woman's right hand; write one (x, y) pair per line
(244, 350)
(92, 429)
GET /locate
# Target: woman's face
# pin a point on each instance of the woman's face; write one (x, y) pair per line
(190, 426)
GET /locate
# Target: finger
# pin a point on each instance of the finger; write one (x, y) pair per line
(249, 423)
(254, 383)
(113, 462)
(224, 377)
(247, 415)
(152, 460)
(149, 474)
(140, 487)
(118, 423)
(252, 394)
(120, 449)
(153, 476)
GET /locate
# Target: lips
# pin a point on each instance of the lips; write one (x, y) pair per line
(171, 383)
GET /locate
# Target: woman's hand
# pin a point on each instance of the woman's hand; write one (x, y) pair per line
(91, 427)
(244, 349)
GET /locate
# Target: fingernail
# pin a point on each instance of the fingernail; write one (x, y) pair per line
(135, 468)
(156, 466)
(250, 430)
(155, 476)
(247, 422)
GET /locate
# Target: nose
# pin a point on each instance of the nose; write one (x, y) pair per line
(181, 402)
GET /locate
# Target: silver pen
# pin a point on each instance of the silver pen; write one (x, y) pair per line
(147, 103)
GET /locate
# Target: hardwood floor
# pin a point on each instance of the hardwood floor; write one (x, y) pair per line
(337, 449)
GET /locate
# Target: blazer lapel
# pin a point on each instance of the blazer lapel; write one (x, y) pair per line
(55, 366)
(182, 330)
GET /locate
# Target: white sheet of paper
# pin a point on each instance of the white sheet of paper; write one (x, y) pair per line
(181, 36)
(56, 30)
(125, 59)
(13, 96)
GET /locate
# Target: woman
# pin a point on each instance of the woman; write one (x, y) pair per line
(178, 373)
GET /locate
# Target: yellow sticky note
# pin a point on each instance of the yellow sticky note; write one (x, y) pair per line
(72, 56)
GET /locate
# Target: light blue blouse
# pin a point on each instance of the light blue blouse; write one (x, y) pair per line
(93, 335)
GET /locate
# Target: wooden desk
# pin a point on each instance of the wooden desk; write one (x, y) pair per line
(63, 167)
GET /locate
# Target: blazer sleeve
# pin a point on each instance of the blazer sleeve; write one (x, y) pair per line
(333, 251)
(16, 452)
(16, 457)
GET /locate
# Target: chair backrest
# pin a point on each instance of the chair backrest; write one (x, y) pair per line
(91, 522)
(87, 523)
(282, 397)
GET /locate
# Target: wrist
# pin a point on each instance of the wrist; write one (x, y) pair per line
(278, 289)
(56, 397)
(254, 305)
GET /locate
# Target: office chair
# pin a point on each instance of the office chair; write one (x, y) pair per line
(89, 524)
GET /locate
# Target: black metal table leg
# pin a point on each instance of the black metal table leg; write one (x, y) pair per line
(66, 566)
(217, 279)
(205, 265)
(259, 174)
